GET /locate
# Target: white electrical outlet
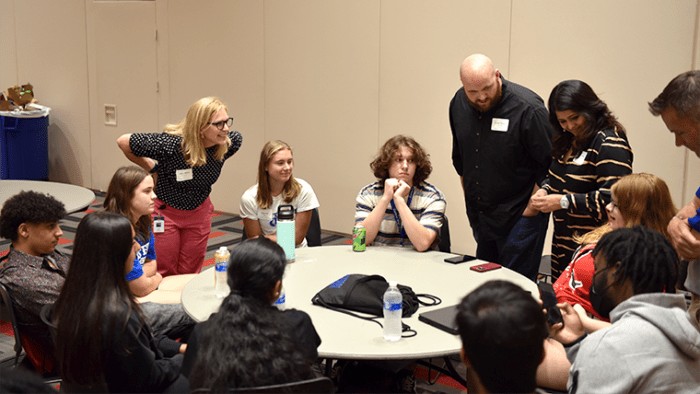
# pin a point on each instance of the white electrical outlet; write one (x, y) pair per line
(110, 114)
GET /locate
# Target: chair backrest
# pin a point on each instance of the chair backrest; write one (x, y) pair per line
(35, 350)
(45, 315)
(315, 385)
(7, 313)
(445, 244)
(313, 233)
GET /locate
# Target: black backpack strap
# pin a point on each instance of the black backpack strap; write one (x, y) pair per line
(433, 300)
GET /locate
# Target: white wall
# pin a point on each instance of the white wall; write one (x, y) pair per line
(335, 78)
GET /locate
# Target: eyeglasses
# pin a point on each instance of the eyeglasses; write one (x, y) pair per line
(220, 124)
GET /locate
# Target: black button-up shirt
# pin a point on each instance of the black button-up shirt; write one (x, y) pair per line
(500, 168)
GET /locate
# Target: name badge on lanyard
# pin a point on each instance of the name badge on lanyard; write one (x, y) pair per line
(397, 217)
(183, 175)
(498, 124)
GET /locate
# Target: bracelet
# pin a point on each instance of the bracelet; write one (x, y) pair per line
(581, 338)
(154, 169)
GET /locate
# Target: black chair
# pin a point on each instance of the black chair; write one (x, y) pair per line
(7, 313)
(445, 244)
(315, 385)
(313, 233)
(45, 316)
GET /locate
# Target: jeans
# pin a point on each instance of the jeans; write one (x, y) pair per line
(521, 250)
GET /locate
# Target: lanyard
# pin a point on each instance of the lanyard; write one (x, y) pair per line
(397, 218)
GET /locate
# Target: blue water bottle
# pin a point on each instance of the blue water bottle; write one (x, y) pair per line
(286, 230)
(221, 260)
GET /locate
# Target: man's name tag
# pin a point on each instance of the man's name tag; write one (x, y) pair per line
(183, 175)
(581, 158)
(498, 124)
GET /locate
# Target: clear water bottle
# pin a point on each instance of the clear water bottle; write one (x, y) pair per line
(281, 302)
(393, 301)
(286, 230)
(221, 258)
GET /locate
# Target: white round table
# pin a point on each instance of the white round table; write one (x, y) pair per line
(347, 337)
(75, 198)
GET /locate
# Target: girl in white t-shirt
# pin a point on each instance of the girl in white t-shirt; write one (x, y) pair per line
(276, 185)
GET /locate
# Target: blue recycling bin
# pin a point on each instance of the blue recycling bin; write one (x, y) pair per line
(24, 145)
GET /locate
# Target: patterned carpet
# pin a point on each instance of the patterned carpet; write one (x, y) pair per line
(226, 231)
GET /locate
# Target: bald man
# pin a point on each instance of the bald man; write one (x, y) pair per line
(679, 107)
(501, 150)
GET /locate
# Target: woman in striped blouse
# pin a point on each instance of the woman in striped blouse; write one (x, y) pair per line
(590, 152)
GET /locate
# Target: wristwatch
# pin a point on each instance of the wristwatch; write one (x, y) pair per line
(564, 202)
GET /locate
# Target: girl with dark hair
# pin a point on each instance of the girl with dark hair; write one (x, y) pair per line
(277, 185)
(249, 342)
(102, 340)
(130, 193)
(590, 153)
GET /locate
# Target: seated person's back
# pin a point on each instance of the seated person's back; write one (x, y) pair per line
(249, 341)
(97, 314)
(503, 331)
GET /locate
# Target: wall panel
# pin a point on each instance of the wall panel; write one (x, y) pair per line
(215, 48)
(123, 72)
(321, 95)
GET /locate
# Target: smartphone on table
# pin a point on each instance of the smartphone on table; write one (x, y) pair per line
(549, 302)
(460, 259)
(485, 267)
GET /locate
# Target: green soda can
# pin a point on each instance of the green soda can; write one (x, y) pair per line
(359, 236)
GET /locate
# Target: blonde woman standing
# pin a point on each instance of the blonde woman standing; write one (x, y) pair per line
(187, 158)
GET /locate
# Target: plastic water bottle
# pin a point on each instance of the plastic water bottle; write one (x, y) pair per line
(281, 302)
(286, 230)
(221, 258)
(393, 301)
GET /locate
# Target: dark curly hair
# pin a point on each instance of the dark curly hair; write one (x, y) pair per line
(28, 207)
(380, 165)
(643, 256)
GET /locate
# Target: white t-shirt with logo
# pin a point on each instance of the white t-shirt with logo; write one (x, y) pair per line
(305, 201)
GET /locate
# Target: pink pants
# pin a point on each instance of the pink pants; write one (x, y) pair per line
(180, 249)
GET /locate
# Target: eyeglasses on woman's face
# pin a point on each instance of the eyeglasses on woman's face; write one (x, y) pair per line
(220, 124)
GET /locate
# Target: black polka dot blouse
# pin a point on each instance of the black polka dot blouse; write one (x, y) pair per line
(166, 149)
